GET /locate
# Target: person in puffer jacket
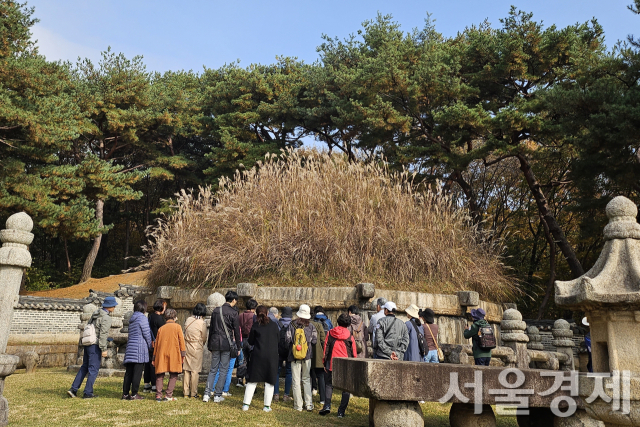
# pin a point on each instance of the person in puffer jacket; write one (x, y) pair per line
(339, 343)
(137, 352)
(392, 336)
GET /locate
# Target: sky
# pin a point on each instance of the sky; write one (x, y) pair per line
(189, 34)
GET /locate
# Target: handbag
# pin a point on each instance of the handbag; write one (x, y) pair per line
(232, 345)
(440, 353)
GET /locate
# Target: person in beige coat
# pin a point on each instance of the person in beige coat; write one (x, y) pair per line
(195, 336)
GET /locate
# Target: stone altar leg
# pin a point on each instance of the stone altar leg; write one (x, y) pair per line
(538, 417)
(14, 257)
(390, 413)
(372, 408)
(461, 415)
(579, 419)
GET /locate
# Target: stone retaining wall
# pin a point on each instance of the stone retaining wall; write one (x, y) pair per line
(50, 356)
(449, 309)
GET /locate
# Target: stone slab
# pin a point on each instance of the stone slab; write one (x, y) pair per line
(415, 381)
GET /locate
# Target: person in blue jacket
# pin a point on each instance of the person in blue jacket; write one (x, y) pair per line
(137, 353)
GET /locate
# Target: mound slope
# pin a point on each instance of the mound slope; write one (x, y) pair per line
(309, 218)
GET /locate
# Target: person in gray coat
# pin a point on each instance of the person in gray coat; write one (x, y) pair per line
(94, 353)
(391, 335)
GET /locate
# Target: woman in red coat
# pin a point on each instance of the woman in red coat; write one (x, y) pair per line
(339, 343)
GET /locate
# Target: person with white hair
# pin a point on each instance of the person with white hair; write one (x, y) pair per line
(273, 315)
(380, 302)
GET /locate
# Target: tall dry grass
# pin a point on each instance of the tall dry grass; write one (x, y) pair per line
(314, 218)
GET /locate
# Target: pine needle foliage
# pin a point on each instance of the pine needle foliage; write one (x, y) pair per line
(305, 217)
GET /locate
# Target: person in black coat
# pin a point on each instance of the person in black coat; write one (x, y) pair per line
(263, 364)
(224, 338)
(156, 320)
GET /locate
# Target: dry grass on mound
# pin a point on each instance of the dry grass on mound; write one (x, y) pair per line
(309, 217)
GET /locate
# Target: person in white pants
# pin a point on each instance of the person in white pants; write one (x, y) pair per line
(300, 362)
(263, 364)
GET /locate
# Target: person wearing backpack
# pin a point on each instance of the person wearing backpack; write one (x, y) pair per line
(481, 354)
(301, 336)
(391, 335)
(358, 331)
(283, 355)
(95, 348)
(339, 343)
(136, 354)
(416, 348)
(320, 317)
(430, 332)
(317, 364)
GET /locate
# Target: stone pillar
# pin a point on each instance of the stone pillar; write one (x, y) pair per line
(392, 413)
(562, 335)
(535, 340)
(14, 258)
(117, 340)
(513, 336)
(462, 415)
(535, 343)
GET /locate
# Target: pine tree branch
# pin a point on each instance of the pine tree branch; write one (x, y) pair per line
(5, 142)
(130, 169)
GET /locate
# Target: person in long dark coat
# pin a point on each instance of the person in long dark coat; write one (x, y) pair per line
(263, 364)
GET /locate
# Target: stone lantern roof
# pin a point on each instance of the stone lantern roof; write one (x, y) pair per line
(614, 280)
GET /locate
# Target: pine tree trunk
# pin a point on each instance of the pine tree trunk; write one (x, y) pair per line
(549, 219)
(474, 208)
(552, 270)
(127, 235)
(66, 253)
(91, 258)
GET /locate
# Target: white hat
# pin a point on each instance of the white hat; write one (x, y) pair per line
(413, 311)
(390, 306)
(585, 322)
(304, 312)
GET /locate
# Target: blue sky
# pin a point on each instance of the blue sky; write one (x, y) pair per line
(187, 34)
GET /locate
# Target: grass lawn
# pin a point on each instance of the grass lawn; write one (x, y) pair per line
(40, 399)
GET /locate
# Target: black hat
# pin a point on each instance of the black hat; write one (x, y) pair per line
(428, 315)
(287, 312)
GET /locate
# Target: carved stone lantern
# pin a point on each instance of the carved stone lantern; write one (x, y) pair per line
(609, 293)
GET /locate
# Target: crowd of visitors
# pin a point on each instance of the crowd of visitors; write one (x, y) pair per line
(259, 344)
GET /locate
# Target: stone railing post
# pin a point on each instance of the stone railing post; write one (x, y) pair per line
(562, 335)
(535, 340)
(14, 258)
(513, 336)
